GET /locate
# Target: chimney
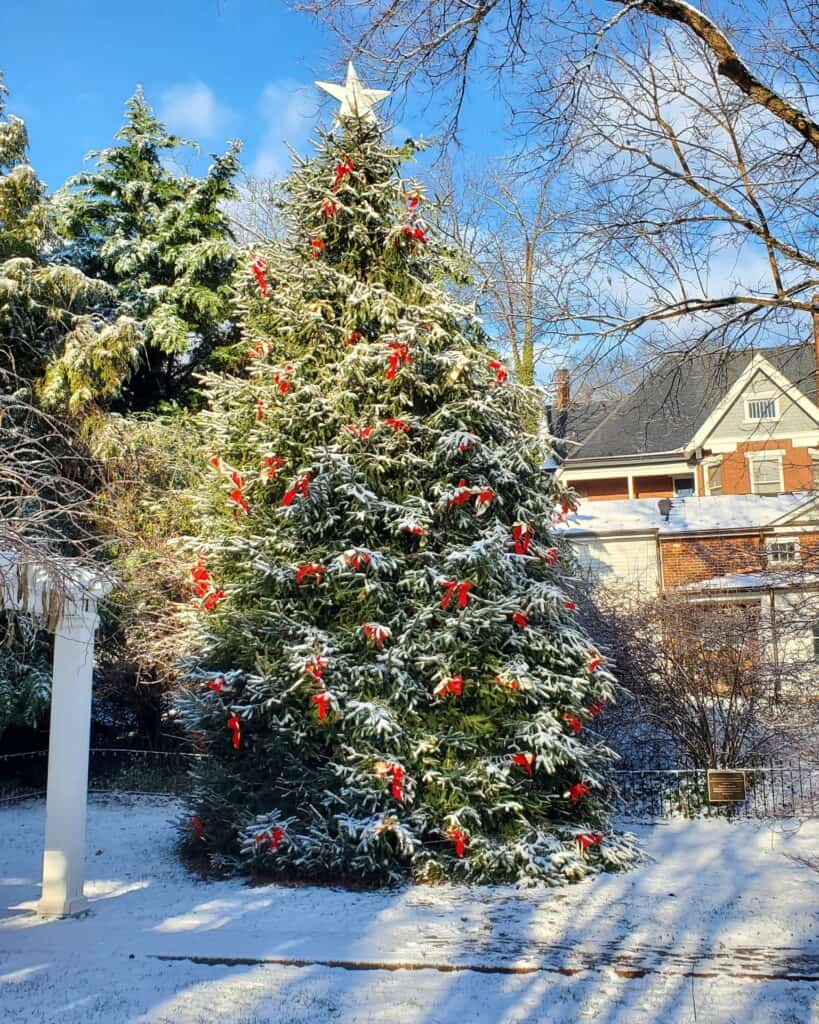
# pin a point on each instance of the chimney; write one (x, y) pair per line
(816, 339)
(562, 376)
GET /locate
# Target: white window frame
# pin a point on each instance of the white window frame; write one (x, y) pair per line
(709, 464)
(761, 397)
(767, 456)
(684, 476)
(774, 541)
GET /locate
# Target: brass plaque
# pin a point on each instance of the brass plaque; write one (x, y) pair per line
(726, 787)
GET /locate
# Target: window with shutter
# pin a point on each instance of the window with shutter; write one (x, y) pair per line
(766, 476)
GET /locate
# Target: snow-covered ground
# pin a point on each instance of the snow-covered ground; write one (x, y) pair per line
(719, 925)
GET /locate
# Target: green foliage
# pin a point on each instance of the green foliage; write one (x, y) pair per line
(25, 675)
(383, 461)
(161, 241)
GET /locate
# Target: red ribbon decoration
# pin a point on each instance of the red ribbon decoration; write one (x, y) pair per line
(397, 424)
(413, 199)
(572, 721)
(273, 838)
(310, 569)
(362, 433)
(520, 619)
(329, 208)
(376, 633)
(512, 684)
(342, 170)
(522, 536)
(259, 351)
(281, 380)
(236, 729)
(217, 685)
(459, 838)
(322, 702)
(201, 577)
(316, 668)
(525, 761)
(302, 488)
(570, 605)
(356, 558)
(258, 266)
(272, 463)
(454, 685)
(577, 791)
(238, 500)
(596, 709)
(213, 598)
(570, 507)
(550, 556)
(595, 661)
(400, 354)
(455, 588)
(397, 773)
(198, 827)
(354, 337)
(260, 408)
(415, 531)
(317, 246)
(414, 234)
(483, 500)
(462, 494)
(590, 839)
(500, 372)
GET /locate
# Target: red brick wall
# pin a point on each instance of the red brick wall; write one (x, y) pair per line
(692, 559)
(600, 490)
(736, 475)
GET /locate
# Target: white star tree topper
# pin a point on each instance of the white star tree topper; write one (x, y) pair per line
(356, 101)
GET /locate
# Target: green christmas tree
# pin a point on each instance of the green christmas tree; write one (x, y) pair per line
(390, 681)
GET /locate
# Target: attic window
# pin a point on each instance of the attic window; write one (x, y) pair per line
(761, 409)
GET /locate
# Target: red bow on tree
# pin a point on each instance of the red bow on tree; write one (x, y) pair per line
(415, 531)
(310, 569)
(570, 605)
(356, 558)
(342, 170)
(198, 827)
(316, 668)
(397, 773)
(399, 354)
(217, 685)
(595, 661)
(272, 463)
(500, 373)
(354, 337)
(413, 199)
(238, 500)
(329, 208)
(273, 838)
(567, 508)
(597, 708)
(362, 433)
(522, 536)
(464, 446)
(512, 684)
(461, 495)
(258, 266)
(236, 729)
(459, 838)
(302, 488)
(317, 246)
(572, 721)
(322, 701)
(377, 633)
(201, 577)
(455, 588)
(590, 839)
(483, 500)
(213, 598)
(259, 351)
(260, 408)
(454, 685)
(281, 380)
(550, 556)
(414, 234)
(520, 619)
(575, 792)
(391, 421)
(525, 761)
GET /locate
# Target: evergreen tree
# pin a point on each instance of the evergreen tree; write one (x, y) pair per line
(389, 680)
(161, 240)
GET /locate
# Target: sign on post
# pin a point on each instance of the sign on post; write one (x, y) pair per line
(726, 787)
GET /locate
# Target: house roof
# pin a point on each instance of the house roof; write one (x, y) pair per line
(674, 399)
(688, 515)
(754, 581)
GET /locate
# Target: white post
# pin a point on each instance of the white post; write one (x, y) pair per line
(66, 799)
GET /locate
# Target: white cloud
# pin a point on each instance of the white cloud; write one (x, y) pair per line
(192, 109)
(288, 111)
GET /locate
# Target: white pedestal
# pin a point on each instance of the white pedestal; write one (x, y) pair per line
(66, 800)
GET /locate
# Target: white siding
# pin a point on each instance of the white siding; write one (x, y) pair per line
(621, 563)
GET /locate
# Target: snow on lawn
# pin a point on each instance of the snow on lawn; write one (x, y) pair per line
(719, 925)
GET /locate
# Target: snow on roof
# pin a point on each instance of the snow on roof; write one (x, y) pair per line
(754, 581)
(688, 515)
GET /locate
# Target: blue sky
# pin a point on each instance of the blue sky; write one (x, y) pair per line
(213, 69)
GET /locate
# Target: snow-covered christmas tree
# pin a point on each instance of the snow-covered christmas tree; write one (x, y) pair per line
(390, 680)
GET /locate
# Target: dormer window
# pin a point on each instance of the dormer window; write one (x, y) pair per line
(758, 409)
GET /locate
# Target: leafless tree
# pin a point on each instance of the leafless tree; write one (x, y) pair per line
(685, 146)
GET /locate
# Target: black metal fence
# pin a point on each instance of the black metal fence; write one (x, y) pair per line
(773, 789)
